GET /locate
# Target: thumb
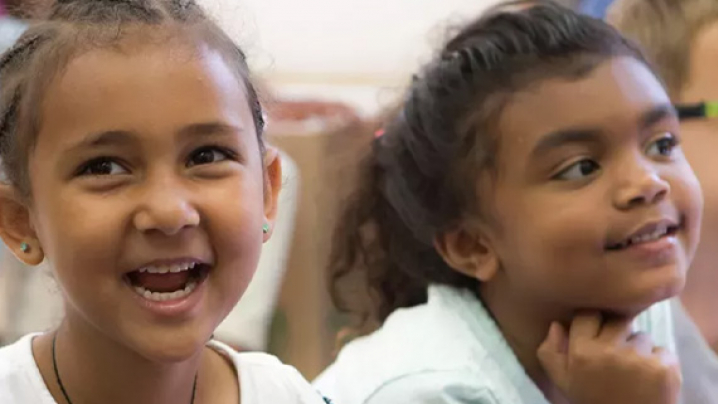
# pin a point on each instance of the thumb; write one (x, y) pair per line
(553, 355)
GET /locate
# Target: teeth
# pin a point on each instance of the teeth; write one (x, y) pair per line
(161, 297)
(168, 268)
(658, 233)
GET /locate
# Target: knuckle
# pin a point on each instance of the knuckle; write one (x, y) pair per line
(593, 356)
(663, 372)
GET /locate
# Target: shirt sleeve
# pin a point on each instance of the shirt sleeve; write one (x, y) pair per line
(433, 388)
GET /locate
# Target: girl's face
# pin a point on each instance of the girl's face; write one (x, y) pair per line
(597, 207)
(150, 194)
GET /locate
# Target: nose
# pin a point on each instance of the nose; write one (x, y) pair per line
(165, 208)
(641, 184)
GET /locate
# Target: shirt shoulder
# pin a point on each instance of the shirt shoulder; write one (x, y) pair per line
(447, 349)
(20, 379)
(414, 341)
(264, 378)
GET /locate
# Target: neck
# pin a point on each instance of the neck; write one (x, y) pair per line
(94, 368)
(700, 299)
(524, 325)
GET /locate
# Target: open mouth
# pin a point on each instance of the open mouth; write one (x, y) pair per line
(649, 235)
(167, 282)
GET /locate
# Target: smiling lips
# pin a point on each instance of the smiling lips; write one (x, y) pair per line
(646, 234)
(167, 282)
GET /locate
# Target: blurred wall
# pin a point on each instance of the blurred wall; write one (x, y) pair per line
(359, 51)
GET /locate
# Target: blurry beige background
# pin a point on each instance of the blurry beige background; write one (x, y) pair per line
(350, 50)
(348, 55)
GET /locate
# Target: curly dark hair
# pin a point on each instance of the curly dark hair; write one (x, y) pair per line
(415, 184)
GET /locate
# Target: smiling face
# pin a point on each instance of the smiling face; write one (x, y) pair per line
(595, 203)
(147, 160)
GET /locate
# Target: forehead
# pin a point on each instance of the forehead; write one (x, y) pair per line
(144, 87)
(612, 97)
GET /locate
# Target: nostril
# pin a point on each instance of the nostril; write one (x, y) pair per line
(166, 216)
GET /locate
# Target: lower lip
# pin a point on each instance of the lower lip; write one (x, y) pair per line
(658, 252)
(171, 308)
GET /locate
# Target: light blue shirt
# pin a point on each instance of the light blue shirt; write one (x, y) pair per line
(699, 363)
(447, 351)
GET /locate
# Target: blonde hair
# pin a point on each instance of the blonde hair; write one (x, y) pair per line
(666, 30)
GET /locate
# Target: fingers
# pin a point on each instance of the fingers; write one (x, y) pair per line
(600, 360)
(553, 354)
(674, 376)
(616, 331)
(641, 343)
(585, 327)
(666, 357)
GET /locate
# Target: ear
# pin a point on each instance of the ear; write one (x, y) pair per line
(16, 228)
(468, 253)
(272, 186)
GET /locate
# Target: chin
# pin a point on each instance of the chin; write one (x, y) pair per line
(638, 301)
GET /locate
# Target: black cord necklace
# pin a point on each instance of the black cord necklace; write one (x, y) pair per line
(62, 387)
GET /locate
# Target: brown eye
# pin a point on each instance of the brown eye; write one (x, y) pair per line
(207, 155)
(578, 170)
(663, 146)
(102, 166)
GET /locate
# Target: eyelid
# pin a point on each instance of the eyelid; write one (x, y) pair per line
(228, 152)
(674, 142)
(82, 168)
(575, 164)
(565, 165)
(664, 135)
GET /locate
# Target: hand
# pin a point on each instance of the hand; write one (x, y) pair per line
(599, 362)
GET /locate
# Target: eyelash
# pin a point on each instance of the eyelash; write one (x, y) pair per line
(84, 169)
(228, 154)
(671, 139)
(561, 176)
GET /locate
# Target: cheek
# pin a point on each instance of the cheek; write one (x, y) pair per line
(78, 227)
(234, 223)
(550, 236)
(700, 153)
(688, 192)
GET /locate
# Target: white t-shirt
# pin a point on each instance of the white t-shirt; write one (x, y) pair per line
(446, 351)
(264, 379)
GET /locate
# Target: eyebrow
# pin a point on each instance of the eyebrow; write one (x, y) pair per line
(562, 137)
(591, 135)
(105, 138)
(657, 114)
(209, 128)
(125, 137)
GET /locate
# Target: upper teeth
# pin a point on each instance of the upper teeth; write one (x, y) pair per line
(163, 269)
(659, 232)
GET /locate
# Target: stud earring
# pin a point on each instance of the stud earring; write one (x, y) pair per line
(265, 228)
(24, 247)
